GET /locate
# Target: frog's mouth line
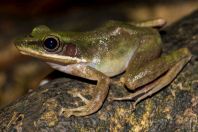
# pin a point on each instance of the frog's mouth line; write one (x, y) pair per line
(65, 60)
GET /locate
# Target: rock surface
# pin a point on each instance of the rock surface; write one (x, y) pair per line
(175, 108)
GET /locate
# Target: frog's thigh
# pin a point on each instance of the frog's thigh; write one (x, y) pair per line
(145, 53)
(152, 70)
(156, 85)
(162, 81)
(98, 95)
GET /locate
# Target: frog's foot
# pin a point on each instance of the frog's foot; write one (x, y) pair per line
(90, 107)
(156, 85)
(98, 96)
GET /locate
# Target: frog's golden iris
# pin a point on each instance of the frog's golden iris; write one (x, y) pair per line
(51, 43)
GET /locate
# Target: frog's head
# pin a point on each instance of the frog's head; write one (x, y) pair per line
(50, 46)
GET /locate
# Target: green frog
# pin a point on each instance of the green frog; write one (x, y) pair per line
(131, 49)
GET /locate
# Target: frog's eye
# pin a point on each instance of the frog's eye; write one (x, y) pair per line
(51, 44)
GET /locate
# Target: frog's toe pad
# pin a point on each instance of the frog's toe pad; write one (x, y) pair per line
(79, 111)
(66, 112)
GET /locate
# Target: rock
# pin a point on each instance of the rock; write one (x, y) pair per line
(175, 108)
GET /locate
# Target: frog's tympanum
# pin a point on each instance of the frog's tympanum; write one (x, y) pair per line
(133, 49)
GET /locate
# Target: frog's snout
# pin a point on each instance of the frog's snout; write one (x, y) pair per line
(20, 44)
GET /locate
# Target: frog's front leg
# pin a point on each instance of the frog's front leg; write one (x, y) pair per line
(153, 73)
(98, 95)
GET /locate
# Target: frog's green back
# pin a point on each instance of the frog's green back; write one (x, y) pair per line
(116, 43)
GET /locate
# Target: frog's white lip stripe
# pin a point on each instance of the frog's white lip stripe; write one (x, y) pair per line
(52, 57)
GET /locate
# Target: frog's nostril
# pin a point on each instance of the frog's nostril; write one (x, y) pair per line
(16, 42)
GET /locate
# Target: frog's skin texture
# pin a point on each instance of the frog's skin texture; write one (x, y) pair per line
(105, 52)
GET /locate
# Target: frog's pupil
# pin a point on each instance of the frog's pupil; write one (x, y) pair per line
(50, 43)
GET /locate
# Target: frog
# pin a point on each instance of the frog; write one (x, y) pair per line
(130, 49)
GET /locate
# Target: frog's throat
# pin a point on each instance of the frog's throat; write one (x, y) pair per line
(52, 57)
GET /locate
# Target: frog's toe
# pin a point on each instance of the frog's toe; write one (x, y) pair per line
(85, 100)
(79, 95)
(65, 111)
(84, 110)
(116, 98)
(133, 106)
(130, 96)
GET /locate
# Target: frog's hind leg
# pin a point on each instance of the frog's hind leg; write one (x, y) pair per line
(155, 23)
(150, 23)
(162, 81)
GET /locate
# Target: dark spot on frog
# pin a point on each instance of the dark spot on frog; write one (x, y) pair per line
(70, 50)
